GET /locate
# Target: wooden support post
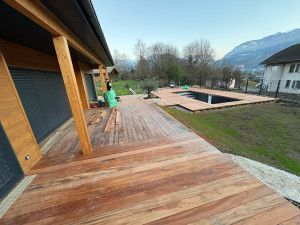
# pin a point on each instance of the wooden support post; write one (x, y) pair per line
(102, 82)
(67, 71)
(106, 73)
(81, 83)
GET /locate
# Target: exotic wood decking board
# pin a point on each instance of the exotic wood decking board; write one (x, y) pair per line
(168, 97)
(166, 174)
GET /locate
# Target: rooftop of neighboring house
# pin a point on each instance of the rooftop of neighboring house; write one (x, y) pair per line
(289, 54)
(109, 70)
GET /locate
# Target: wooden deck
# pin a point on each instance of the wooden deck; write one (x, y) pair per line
(150, 169)
(168, 97)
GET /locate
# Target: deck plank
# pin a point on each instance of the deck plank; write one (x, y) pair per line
(292, 221)
(148, 169)
(168, 97)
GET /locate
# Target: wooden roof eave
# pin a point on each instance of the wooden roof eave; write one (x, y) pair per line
(39, 13)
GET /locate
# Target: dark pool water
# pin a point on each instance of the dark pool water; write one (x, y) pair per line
(214, 99)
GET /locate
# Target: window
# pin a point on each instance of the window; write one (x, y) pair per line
(293, 85)
(296, 84)
(292, 67)
(287, 83)
(297, 68)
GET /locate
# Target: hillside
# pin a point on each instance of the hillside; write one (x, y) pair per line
(251, 53)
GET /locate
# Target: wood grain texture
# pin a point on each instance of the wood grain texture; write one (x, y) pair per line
(20, 56)
(293, 221)
(103, 83)
(148, 169)
(168, 97)
(275, 215)
(67, 71)
(118, 118)
(15, 122)
(106, 73)
(110, 121)
(79, 69)
(40, 14)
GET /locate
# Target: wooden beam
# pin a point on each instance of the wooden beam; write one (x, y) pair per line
(106, 73)
(20, 56)
(102, 82)
(41, 15)
(67, 71)
(81, 84)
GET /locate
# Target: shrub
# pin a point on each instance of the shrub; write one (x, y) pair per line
(149, 85)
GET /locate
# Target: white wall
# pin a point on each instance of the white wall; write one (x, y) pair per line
(290, 76)
(273, 73)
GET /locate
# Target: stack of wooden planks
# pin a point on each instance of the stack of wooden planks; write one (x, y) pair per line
(113, 119)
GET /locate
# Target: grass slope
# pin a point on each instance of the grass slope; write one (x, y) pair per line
(119, 87)
(268, 133)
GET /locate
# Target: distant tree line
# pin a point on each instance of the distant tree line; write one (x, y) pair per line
(194, 65)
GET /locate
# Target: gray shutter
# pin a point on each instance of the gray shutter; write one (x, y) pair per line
(44, 99)
(90, 87)
(10, 169)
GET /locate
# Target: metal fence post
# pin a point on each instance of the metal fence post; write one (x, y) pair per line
(247, 86)
(261, 85)
(277, 88)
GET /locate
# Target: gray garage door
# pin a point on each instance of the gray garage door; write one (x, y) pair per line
(10, 170)
(44, 98)
(90, 87)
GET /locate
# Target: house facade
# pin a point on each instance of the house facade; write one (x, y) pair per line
(48, 50)
(111, 72)
(283, 66)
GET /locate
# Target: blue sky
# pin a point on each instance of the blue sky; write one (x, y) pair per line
(225, 23)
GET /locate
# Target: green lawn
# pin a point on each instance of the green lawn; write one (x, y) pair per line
(268, 133)
(119, 87)
(251, 84)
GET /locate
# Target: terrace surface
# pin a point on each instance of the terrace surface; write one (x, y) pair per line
(168, 97)
(149, 169)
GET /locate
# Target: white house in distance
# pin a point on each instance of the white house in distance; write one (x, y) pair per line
(283, 66)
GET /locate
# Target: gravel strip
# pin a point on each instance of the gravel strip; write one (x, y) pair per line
(284, 183)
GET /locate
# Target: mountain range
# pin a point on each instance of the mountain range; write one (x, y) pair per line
(249, 54)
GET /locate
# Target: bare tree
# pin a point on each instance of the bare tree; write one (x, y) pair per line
(163, 58)
(215, 77)
(123, 64)
(143, 68)
(226, 75)
(140, 50)
(122, 61)
(198, 56)
(237, 75)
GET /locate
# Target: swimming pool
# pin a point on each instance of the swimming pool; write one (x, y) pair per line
(212, 99)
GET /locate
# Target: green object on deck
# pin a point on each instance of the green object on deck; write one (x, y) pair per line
(185, 87)
(110, 97)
